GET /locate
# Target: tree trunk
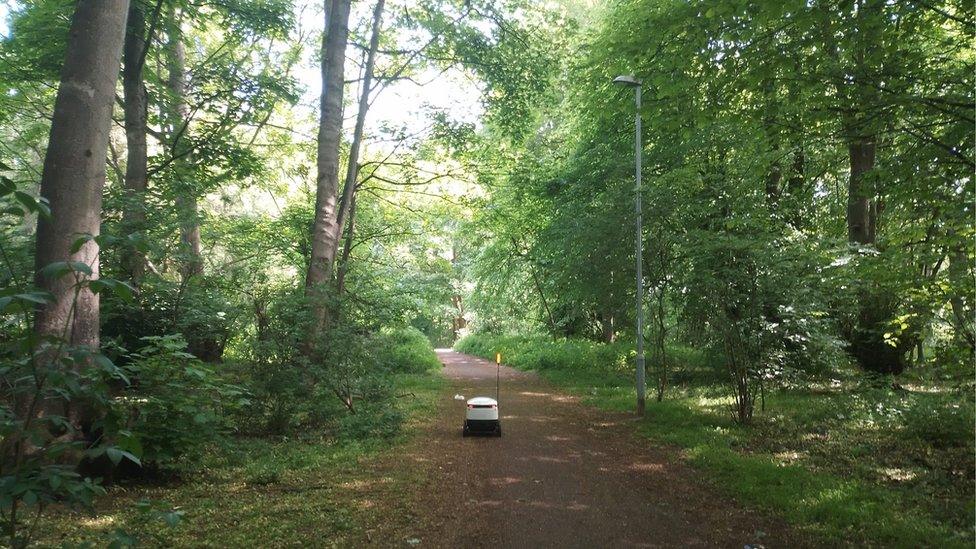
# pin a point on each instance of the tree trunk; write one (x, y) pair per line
(134, 105)
(74, 166)
(796, 187)
(771, 124)
(861, 211)
(186, 201)
(661, 343)
(542, 297)
(352, 167)
(346, 248)
(962, 282)
(773, 179)
(325, 229)
(608, 332)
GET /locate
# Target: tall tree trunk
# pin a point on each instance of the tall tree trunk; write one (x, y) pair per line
(346, 248)
(74, 174)
(962, 283)
(771, 123)
(861, 211)
(661, 342)
(186, 201)
(134, 105)
(352, 167)
(796, 187)
(74, 166)
(862, 125)
(545, 304)
(325, 229)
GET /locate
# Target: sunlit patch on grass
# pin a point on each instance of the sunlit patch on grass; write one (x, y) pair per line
(788, 457)
(98, 523)
(363, 484)
(713, 402)
(898, 474)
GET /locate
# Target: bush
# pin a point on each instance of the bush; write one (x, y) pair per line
(380, 421)
(405, 350)
(940, 423)
(541, 353)
(176, 403)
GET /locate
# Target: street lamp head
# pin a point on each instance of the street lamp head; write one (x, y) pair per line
(627, 80)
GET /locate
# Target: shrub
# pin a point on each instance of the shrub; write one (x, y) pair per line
(541, 353)
(381, 421)
(940, 423)
(405, 350)
(176, 404)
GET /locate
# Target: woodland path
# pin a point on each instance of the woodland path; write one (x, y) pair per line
(562, 475)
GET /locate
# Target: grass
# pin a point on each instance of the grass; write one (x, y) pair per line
(843, 461)
(256, 492)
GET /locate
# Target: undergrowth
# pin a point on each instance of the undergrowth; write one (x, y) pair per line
(258, 492)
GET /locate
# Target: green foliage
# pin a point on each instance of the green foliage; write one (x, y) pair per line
(540, 353)
(177, 405)
(315, 482)
(55, 396)
(941, 422)
(744, 216)
(203, 310)
(405, 350)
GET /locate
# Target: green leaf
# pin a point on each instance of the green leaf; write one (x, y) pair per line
(7, 186)
(80, 242)
(56, 270)
(172, 518)
(81, 267)
(36, 297)
(27, 200)
(44, 208)
(131, 443)
(125, 291)
(116, 455)
(25, 301)
(106, 240)
(138, 241)
(96, 286)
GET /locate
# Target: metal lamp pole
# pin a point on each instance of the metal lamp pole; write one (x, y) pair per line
(632, 82)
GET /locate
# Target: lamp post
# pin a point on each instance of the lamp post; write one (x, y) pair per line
(632, 82)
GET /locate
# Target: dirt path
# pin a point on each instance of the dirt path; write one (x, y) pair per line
(562, 475)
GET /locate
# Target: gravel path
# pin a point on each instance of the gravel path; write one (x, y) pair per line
(562, 475)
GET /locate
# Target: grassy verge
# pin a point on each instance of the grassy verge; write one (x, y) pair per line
(841, 460)
(256, 492)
